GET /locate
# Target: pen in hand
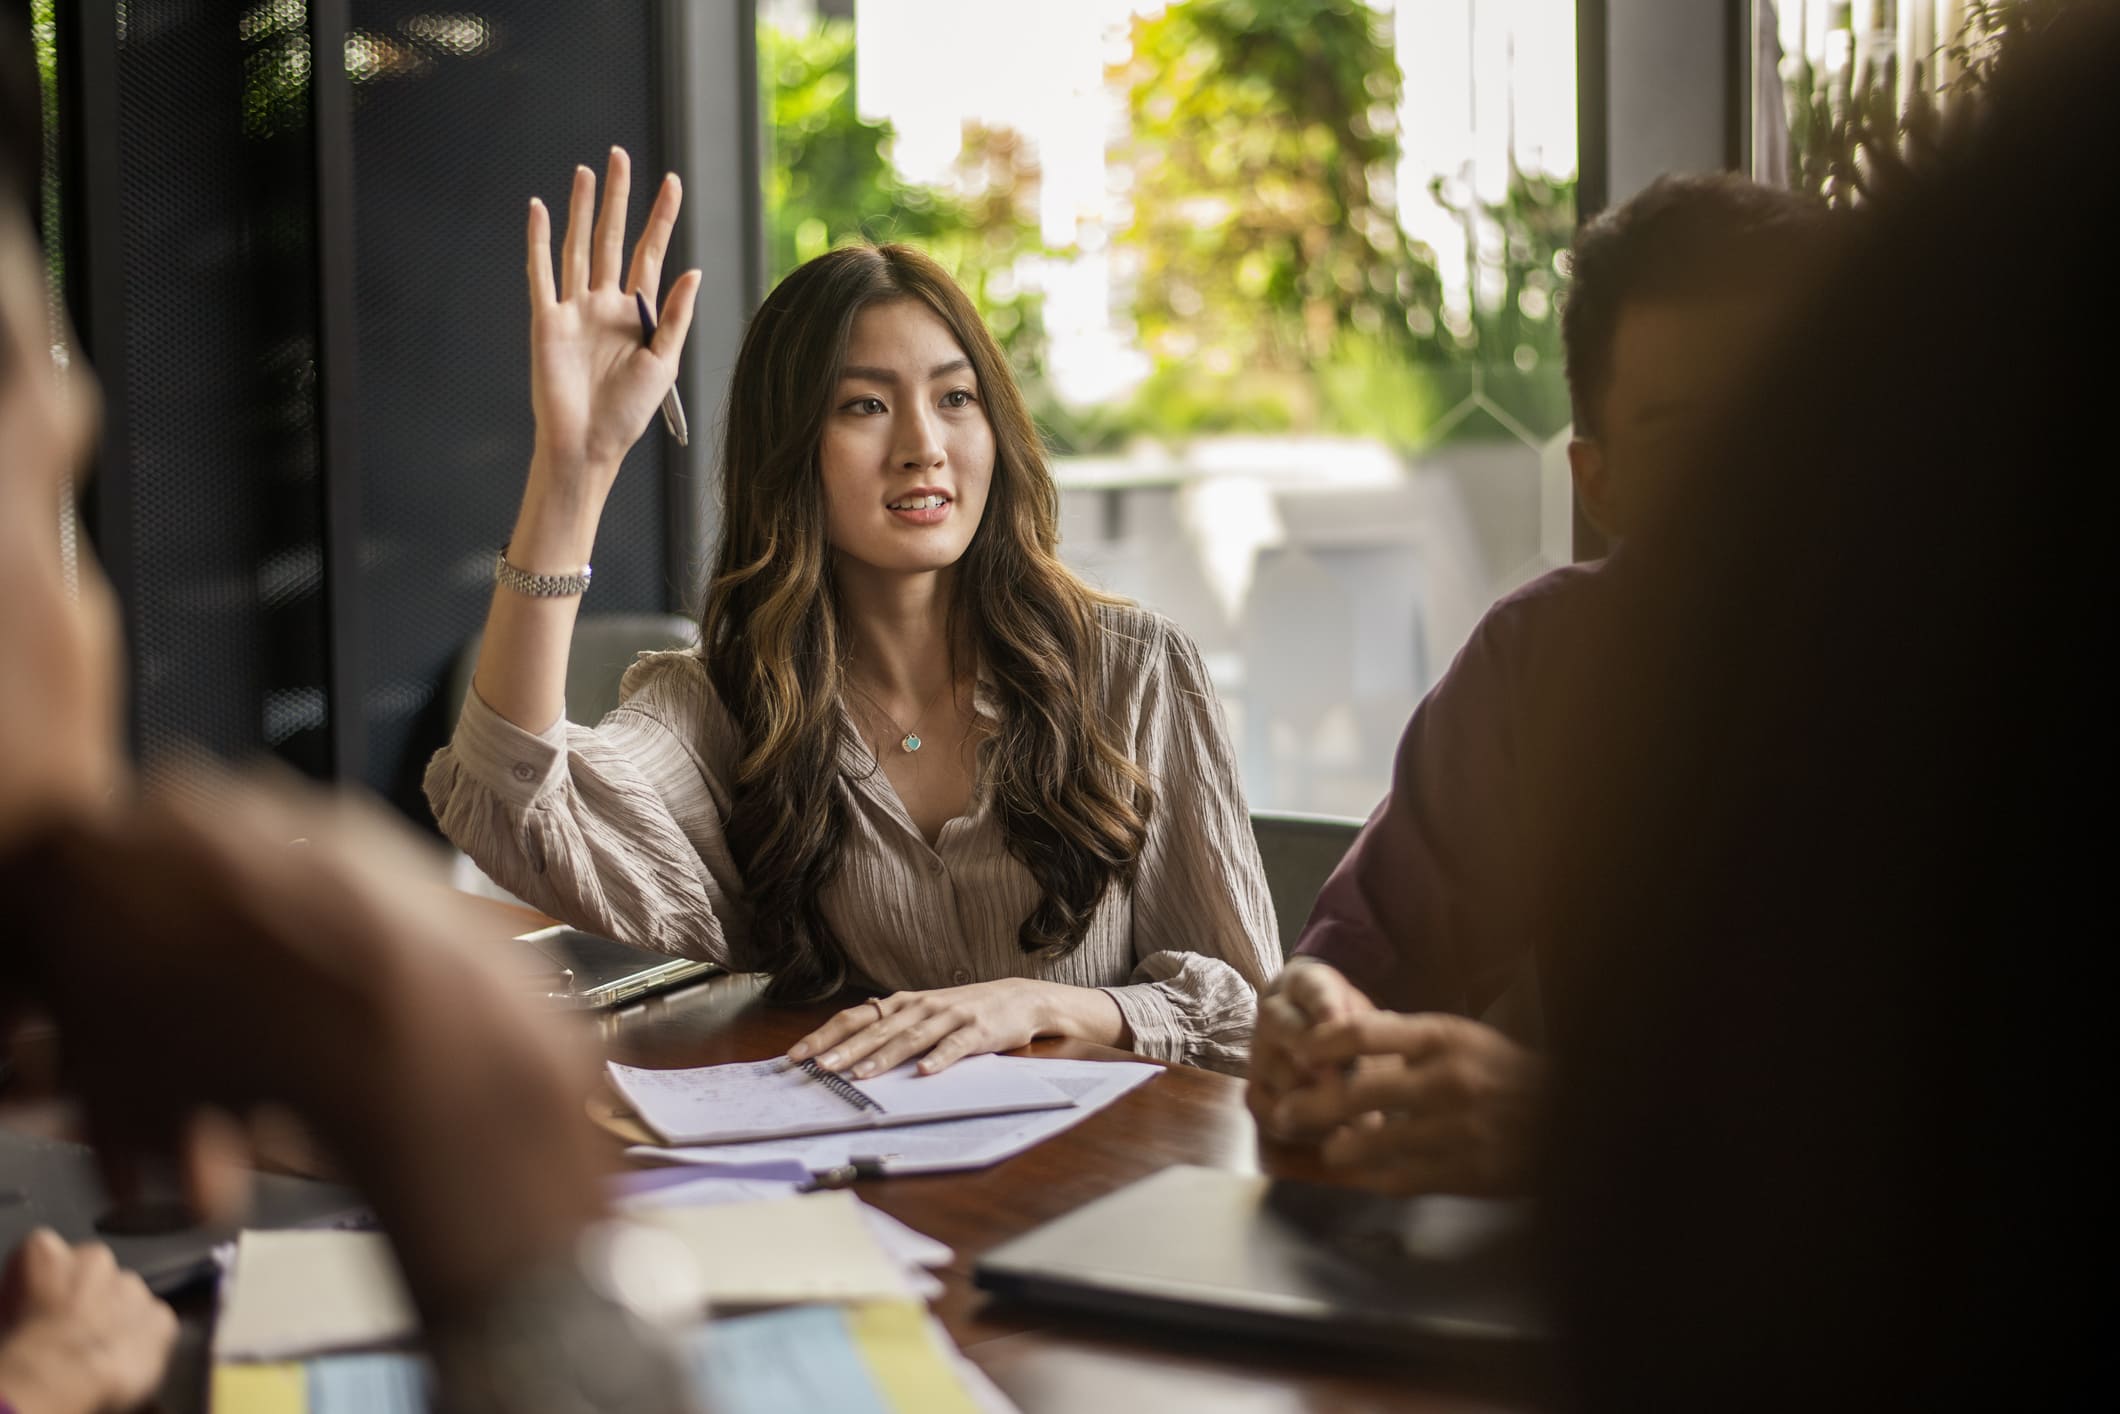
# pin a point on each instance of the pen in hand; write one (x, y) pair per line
(673, 409)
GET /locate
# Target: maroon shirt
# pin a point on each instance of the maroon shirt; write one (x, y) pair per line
(1430, 909)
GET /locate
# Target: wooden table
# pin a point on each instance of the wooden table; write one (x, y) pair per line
(1048, 1361)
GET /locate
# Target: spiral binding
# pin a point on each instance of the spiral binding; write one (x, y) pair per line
(839, 1085)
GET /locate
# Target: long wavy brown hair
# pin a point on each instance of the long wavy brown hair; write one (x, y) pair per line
(1073, 806)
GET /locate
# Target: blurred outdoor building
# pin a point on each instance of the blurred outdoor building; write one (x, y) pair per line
(1281, 280)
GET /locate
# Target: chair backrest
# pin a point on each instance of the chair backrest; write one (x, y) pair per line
(604, 646)
(1300, 853)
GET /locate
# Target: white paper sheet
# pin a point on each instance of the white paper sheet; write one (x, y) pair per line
(950, 1145)
(771, 1099)
(306, 1292)
(912, 1249)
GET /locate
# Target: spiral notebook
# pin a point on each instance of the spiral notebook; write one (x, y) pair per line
(782, 1099)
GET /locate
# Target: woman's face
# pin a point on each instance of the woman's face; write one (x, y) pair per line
(908, 452)
(58, 648)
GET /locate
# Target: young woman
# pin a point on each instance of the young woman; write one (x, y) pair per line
(914, 754)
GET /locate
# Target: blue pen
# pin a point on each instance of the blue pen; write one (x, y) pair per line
(673, 410)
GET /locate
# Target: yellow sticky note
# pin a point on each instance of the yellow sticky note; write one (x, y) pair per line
(259, 1389)
(912, 1371)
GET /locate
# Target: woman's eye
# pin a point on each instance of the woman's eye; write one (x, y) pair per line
(868, 406)
(957, 398)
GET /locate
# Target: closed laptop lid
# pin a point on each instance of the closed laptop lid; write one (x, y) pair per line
(1244, 1254)
(49, 1183)
(607, 973)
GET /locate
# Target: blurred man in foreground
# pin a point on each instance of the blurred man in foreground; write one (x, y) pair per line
(197, 962)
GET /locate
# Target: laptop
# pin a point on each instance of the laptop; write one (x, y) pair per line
(1243, 1255)
(54, 1184)
(596, 973)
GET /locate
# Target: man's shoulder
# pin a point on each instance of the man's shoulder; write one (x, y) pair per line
(1556, 592)
(1533, 623)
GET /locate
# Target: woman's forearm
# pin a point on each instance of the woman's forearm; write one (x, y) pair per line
(522, 661)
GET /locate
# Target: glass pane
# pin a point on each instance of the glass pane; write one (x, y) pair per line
(1842, 88)
(1280, 278)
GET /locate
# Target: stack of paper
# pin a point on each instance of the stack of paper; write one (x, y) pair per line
(849, 1336)
(915, 1253)
(945, 1146)
(881, 1358)
(305, 1292)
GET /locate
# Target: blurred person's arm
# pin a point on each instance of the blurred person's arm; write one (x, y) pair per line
(593, 388)
(193, 956)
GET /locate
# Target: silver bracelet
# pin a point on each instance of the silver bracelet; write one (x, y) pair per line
(538, 586)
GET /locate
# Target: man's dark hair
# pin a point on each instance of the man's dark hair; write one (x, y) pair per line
(1687, 237)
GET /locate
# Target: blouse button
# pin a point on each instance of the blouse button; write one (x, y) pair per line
(960, 977)
(524, 771)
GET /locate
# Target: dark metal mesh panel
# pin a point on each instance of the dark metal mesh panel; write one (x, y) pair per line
(458, 119)
(219, 382)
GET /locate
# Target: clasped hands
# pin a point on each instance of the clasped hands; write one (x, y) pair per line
(945, 1025)
(1420, 1103)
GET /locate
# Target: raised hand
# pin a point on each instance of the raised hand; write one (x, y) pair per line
(593, 384)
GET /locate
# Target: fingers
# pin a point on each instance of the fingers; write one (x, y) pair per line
(669, 338)
(41, 1265)
(954, 1047)
(214, 1168)
(540, 241)
(1335, 1099)
(648, 252)
(1378, 1033)
(1309, 1109)
(1383, 1162)
(847, 1023)
(917, 1037)
(1320, 991)
(608, 248)
(1281, 1024)
(574, 247)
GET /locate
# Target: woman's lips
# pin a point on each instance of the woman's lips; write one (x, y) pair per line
(922, 509)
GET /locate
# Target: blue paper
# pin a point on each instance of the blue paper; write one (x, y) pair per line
(368, 1384)
(802, 1358)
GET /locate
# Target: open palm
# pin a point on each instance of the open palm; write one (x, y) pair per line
(593, 383)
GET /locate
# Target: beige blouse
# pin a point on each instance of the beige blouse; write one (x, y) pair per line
(618, 829)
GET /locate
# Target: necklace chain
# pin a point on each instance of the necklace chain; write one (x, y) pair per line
(908, 740)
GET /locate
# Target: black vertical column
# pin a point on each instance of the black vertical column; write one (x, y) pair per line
(331, 109)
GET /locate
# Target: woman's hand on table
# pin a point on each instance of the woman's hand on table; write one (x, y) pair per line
(81, 1334)
(943, 1026)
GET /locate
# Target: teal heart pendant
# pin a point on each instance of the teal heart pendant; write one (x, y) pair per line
(911, 742)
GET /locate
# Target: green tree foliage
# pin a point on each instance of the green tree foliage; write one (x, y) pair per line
(1262, 153)
(1274, 285)
(829, 180)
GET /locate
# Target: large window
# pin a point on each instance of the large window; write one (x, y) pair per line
(1843, 88)
(1281, 280)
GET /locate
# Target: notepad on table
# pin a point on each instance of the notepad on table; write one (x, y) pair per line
(779, 1099)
